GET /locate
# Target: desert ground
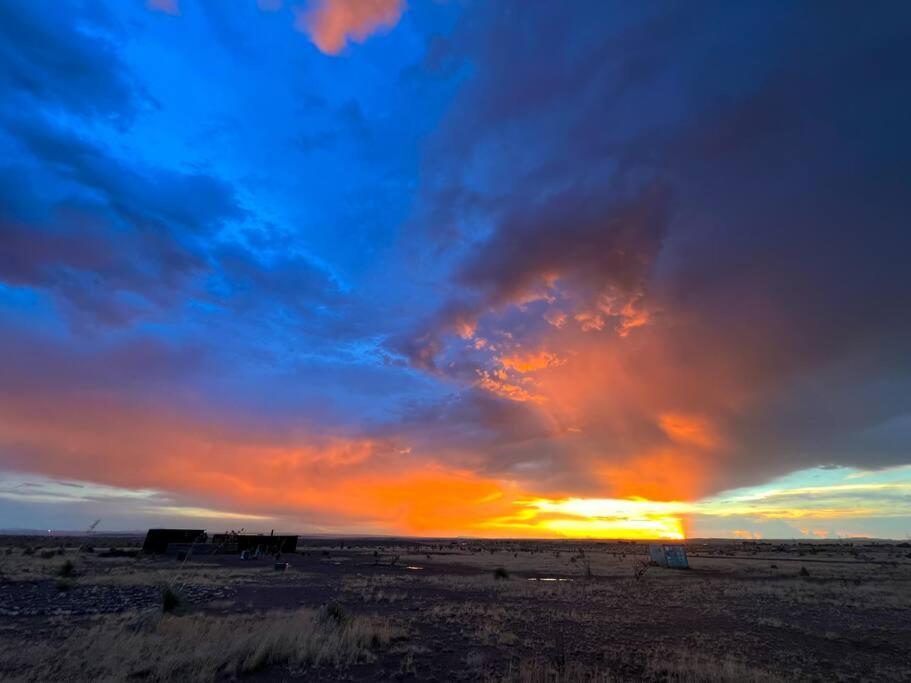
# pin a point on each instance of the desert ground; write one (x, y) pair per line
(94, 608)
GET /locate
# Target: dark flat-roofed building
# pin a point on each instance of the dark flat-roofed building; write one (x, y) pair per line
(157, 540)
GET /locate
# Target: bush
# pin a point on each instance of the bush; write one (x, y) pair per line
(500, 573)
(333, 614)
(67, 569)
(170, 599)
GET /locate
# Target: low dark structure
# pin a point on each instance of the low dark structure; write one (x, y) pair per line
(157, 540)
(265, 543)
(189, 549)
(671, 555)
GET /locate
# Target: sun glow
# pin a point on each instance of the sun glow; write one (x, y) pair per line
(633, 518)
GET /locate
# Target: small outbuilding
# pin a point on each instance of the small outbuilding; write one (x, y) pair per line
(158, 540)
(671, 555)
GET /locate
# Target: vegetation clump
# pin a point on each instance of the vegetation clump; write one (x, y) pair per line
(500, 574)
(170, 599)
(333, 614)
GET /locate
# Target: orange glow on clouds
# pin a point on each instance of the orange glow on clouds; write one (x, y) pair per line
(331, 24)
(373, 486)
(530, 362)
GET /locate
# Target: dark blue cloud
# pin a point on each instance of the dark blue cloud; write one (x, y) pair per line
(66, 58)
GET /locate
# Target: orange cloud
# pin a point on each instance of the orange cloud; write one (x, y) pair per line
(530, 362)
(497, 382)
(748, 535)
(356, 484)
(689, 429)
(331, 24)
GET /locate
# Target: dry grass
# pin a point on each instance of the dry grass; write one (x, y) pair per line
(198, 647)
(692, 667)
(538, 670)
(372, 589)
(565, 563)
(90, 569)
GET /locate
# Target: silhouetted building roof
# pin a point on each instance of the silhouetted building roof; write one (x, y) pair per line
(157, 540)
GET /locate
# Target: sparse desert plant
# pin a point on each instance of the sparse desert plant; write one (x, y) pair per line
(170, 599)
(67, 569)
(333, 613)
(500, 574)
(406, 666)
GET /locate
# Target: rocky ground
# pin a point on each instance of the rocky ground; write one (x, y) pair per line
(55, 597)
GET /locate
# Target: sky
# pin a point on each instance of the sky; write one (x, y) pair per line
(456, 268)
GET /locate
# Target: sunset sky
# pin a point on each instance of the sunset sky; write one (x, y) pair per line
(456, 268)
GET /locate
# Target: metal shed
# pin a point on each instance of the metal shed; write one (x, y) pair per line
(671, 555)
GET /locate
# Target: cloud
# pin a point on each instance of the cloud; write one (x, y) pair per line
(171, 7)
(332, 24)
(84, 73)
(88, 217)
(690, 248)
(369, 485)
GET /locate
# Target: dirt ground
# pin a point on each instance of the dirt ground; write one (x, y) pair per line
(443, 610)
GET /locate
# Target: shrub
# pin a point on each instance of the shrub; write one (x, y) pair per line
(170, 599)
(67, 569)
(804, 572)
(500, 573)
(333, 614)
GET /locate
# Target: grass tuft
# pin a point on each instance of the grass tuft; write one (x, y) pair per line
(170, 600)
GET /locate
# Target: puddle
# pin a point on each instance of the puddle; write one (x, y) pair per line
(415, 567)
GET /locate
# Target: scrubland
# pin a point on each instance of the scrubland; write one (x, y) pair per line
(535, 611)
